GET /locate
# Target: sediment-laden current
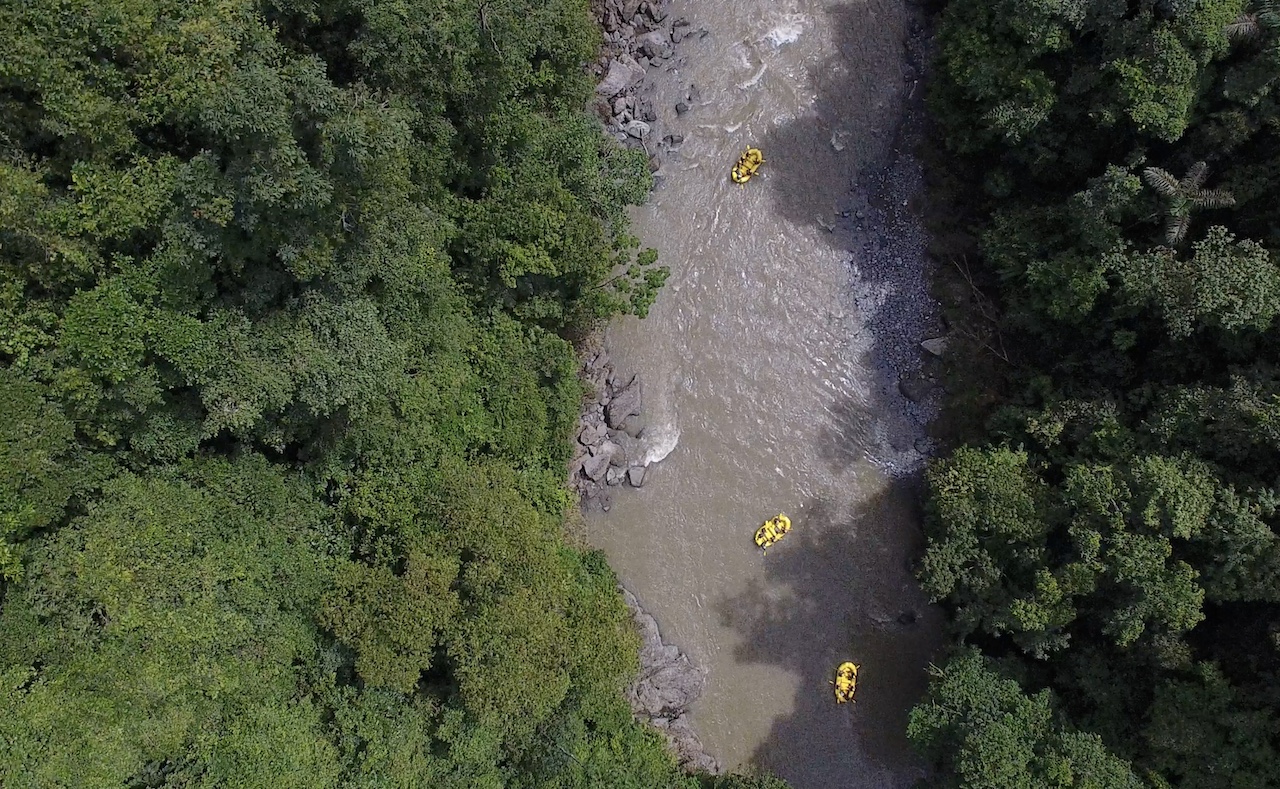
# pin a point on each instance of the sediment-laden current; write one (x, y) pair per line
(774, 365)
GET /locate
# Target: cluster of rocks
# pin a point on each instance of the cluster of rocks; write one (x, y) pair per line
(608, 451)
(667, 686)
(920, 385)
(639, 35)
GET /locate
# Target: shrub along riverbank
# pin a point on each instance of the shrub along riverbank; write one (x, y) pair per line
(286, 394)
(1107, 546)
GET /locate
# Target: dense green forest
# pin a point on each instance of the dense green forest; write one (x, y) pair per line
(1106, 543)
(287, 297)
(287, 291)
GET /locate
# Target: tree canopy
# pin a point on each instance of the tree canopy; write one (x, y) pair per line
(286, 295)
(1106, 545)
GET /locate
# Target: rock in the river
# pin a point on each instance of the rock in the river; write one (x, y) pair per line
(656, 44)
(614, 476)
(626, 402)
(656, 11)
(635, 476)
(593, 434)
(602, 457)
(594, 466)
(624, 72)
(936, 346)
(614, 451)
(670, 689)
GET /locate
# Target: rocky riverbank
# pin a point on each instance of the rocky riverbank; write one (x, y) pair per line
(640, 35)
(607, 449)
(667, 686)
(607, 454)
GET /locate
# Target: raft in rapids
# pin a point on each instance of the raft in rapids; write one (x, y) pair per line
(773, 530)
(748, 164)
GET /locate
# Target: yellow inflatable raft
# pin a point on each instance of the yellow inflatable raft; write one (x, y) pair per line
(846, 682)
(748, 163)
(773, 530)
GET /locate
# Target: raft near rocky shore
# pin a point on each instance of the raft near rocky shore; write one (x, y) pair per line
(639, 35)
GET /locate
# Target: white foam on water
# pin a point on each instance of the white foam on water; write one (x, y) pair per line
(786, 33)
(662, 441)
(751, 83)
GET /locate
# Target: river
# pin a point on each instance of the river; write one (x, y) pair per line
(770, 363)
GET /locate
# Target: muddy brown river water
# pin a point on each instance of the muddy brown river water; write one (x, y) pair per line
(770, 364)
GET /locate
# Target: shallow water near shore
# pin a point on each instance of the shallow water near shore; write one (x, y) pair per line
(770, 364)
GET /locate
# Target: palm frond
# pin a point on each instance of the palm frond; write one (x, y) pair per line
(1176, 228)
(1194, 179)
(1213, 198)
(1160, 180)
(1245, 27)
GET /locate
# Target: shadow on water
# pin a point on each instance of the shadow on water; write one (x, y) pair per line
(848, 132)
(825, 602)
(847, 167)
(837, 586)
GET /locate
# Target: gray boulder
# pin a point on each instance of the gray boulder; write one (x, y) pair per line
(595, 466)
(626, 402)
(637, 129)
(624, 72)
(936, 346)
(602, 457)
(656, 44)
(669, 690)
(635, 476)
(632, 448)
(612, 450)
(592, 434)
